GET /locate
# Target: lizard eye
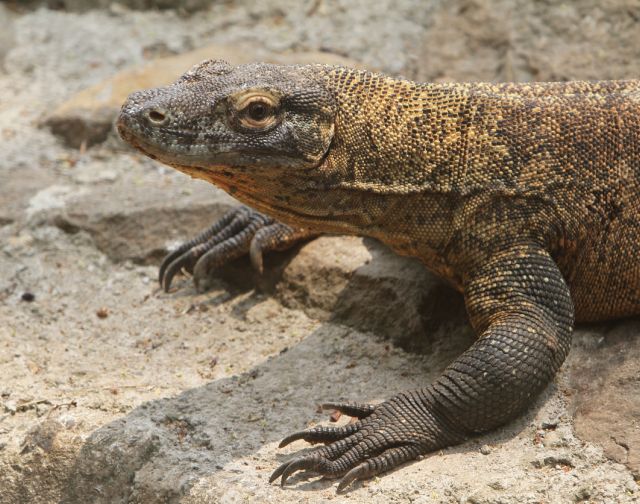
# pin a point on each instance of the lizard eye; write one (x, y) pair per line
(257, 112)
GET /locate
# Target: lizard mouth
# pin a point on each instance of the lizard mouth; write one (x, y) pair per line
(127, 130)
(168, 145)
(137, 139)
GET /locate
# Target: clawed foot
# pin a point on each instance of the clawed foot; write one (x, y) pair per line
(385, 436)
(240, 231)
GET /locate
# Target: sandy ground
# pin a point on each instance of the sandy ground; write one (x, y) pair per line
(111, 391)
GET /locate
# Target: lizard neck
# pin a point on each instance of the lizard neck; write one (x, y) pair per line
(399, 137)
(397, 167)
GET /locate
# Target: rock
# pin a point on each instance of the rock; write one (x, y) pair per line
(6, 33)
(51, 198)
(362, 283)
(556, 461)
(529, 41)
(497, 485)
(81, 126)
(583, 493)
(17, 191)
(553, 439)
(10, 407)
(485, 449)
(187, 6)
(95, 176)
(87, 117)
(143, 222)
(42, 437)
(607, 401)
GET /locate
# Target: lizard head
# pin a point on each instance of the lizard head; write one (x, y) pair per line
(234, 125)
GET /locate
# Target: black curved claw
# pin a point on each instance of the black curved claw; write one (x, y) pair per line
(169, 258)
(186, 259)
(240, 231)
(356, 473)
(278, 472)
(231, 248)
(306, 464)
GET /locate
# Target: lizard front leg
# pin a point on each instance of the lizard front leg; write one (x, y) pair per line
(520, 306)
(240, 231)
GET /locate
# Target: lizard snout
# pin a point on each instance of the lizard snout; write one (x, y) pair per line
(142, 108)
(142, 112)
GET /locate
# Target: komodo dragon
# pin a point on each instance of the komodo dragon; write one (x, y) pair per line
(526, 197)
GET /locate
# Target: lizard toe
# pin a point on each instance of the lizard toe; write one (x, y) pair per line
(352, 409)
(389, 459)
(321, 434)
(357, 457)
(313, 462)
(225, 240)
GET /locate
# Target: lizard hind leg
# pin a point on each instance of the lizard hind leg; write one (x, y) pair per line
(521, 308)
(240, 231)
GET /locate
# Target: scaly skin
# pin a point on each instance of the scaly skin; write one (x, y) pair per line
(526, 197)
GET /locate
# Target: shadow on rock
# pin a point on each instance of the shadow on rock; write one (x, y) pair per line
(159, 450)
(604, 369)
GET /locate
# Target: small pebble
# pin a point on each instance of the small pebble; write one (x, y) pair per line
(497, 485)
(553, 439)
(582, 494)
(28, 297)
(485, 449)
(102, 313)
(68, 421)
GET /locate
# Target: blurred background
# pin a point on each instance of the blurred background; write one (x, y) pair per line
(111, 391)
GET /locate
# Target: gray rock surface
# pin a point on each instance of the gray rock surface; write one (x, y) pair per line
(6, 33)
(522, 41)
(187, 6)
(608, 385)
(112, 391)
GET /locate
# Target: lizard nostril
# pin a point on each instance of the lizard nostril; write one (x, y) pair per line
(156, 116)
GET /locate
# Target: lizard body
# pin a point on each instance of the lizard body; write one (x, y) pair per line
(526, 197)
